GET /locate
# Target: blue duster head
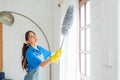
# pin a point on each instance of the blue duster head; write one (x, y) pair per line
(68, 20)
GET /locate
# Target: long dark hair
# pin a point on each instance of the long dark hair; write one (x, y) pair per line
(24, 49)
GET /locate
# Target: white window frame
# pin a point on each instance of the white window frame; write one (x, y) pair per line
(83, 71)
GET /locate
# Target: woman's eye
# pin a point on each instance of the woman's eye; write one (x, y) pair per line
(32, 36)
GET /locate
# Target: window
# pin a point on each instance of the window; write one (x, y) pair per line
(74, 64)
(84, 39)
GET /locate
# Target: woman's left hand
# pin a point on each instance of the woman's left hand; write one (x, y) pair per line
(56, 56)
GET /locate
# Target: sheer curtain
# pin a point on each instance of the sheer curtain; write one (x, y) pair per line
(69, 66)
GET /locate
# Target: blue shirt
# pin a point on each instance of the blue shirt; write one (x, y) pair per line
(35, 57)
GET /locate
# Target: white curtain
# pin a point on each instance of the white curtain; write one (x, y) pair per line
(69, 63)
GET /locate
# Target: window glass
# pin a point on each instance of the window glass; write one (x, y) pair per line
(88, 13)
(82, 16)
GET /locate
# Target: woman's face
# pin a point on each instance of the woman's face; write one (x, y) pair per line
(32, 38)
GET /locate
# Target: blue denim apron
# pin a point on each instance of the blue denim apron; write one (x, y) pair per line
(35, 74)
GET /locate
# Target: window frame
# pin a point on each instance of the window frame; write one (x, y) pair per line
(84, 27)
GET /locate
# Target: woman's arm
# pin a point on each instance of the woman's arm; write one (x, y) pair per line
(53, 58)
(45, 63)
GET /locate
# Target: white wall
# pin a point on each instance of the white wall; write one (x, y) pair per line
(13, 37)
(118, 35)
(103, 39)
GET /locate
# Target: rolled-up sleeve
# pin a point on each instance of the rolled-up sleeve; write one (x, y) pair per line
(46, 53)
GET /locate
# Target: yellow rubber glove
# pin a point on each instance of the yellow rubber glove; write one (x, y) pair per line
(56, 56)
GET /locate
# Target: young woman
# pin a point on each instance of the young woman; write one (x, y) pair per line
(34, 57)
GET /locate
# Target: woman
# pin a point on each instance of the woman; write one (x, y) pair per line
(34, 57)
